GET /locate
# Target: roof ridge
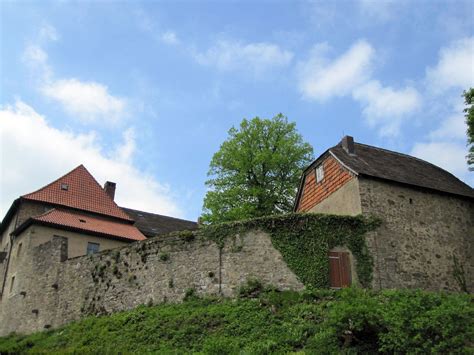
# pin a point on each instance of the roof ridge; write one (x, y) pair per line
(412, 157)
(157, 214)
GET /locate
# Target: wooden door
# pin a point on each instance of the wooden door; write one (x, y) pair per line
(339, 269)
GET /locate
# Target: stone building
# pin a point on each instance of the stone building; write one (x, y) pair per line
(427, 231)
(75, 207)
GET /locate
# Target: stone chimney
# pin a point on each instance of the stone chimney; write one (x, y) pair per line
(109, 188)
(348, 144)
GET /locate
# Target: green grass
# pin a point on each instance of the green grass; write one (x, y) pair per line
(263, 321)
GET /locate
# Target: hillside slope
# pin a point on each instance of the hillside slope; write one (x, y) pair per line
(266, 321)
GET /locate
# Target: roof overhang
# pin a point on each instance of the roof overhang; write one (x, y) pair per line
(31, 221)
(10, 213)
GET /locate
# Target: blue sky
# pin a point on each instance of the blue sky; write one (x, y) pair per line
(143, 93)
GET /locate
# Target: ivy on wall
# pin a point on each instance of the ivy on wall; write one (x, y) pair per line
(304, 240)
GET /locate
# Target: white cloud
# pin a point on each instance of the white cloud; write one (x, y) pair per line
(89, 101)
(33, 154)
(170, 37)
(449, 156)
(48, 33)
(386, 107)
(147, 24)
(455, 67)
(233, 55)
(37, 61)
(124, 153)
(86, 101)
(453, 127)
(321, 79)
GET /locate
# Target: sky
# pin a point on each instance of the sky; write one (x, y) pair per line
(144, 93)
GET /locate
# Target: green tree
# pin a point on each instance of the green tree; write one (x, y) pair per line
(469, 110)
(256, 170)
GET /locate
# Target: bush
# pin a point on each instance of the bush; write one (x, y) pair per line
(190, 294)
(316, 321)
(251, 289)
(398, 321)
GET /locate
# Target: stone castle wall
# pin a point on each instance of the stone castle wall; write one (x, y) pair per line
(420, 233)
(51, 290)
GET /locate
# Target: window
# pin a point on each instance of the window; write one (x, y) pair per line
(319, 173)
(12, 284)
(64, 187)
(92, 248)
(19, 250)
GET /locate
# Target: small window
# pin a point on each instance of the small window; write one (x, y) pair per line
(92, 248)
(12, 284)
(64, 187)
(319, 173)
(19, 250)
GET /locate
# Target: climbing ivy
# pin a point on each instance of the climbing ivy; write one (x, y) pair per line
(304, 240)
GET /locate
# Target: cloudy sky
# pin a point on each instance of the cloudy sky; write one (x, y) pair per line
(144, 93)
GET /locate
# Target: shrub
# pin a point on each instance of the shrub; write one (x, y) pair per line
(349, 321)
(251, 289)
(398, 322)
(190, 294)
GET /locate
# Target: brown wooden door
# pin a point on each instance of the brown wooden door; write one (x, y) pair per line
(339, 269)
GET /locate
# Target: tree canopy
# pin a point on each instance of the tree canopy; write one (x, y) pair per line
(256, 170)
(469, 110)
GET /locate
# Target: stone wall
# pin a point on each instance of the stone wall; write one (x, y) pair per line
(420, 233)
(50, 290)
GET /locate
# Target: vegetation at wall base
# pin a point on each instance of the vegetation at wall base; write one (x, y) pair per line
(264, 321)
(304, 240)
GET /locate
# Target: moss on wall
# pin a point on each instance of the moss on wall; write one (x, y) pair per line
(304, 240)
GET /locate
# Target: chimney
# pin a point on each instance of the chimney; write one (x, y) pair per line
(348, 144)
(109, 188)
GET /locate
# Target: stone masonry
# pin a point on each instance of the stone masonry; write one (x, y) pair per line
(50, 290)
(420, 234)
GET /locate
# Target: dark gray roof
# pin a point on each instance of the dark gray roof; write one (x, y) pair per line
(385, 164)
(151, 224)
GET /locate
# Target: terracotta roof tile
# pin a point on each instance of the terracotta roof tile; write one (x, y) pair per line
(78, 189)
(81, 222)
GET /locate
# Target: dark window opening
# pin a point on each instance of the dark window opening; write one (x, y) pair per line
(92, 248)
(19, 250)
(411, 201)
(82, 220)
(12, 284)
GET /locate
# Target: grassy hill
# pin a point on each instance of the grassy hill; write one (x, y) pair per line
(266, 321)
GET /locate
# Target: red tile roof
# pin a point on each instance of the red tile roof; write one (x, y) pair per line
(78, 189)
(88, 224)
